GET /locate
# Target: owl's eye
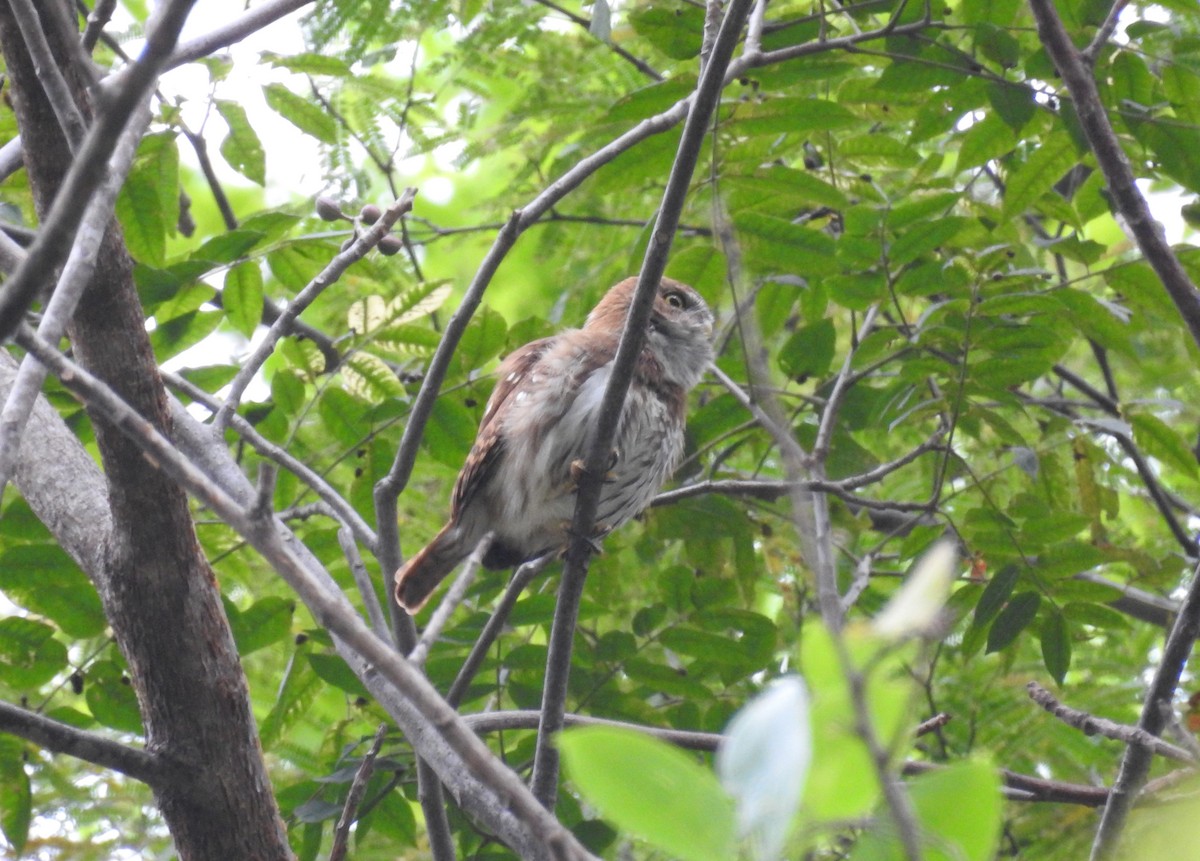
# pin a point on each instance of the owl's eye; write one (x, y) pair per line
(675, 299)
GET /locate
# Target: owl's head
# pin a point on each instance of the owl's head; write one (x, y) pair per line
(680, 328)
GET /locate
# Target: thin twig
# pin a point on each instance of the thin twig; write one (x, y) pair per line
(1113, 162)
(89, 747)
(75, 278)
(754, 29)
(1135, 765)
(97, 20)
(781, 436)
(1104, 33)
(1089, 724)
(343, 511)
(426, 718)
(231, 32)
(544, 781)
(50, 75)
(495, 623)
(638, 63)
(89, 168)
(932, 724)
(354, 797)
(820, 449)
(1021, 787)
(362, 579)
(264, 497)
(454, 597)
(323, 280)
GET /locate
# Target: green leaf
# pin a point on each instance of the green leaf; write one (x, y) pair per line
(143, 221)
(309, 64)
(16, 796)
(1044, 167)
(996, 592)
(265, 622)
(241, 147)
(1160, 440)
(1056, 645)
(243, 296)
(786, 247)
(924, 237)
(227, 247)
(287, 391)
(988, 139)
(961, 811)
(809, 351)
(29, 654)
(1014, 103)
(297, 691)
(677, 32)
(175, 336)
(333, 670)
(801, 115)
(370, 378)
(1012, 620)
(878, 149)
(344, 416)
(110, 697)
(303, 114)
(450, 432)
(44, 580)
(701, 645)
(651, 790)
(482, 341)
(997, 44)
(781, 189)
(298, 263)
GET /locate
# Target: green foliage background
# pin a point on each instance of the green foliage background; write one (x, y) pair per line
(941, 177)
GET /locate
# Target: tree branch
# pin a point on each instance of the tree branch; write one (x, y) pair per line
(1089, 724)
(544, 781)
(1135, 765)
(1113, 162)
(323, 280)
(454, 596)
(495, 623)
(234, 31)
(358, 788)
(58, 94)
(481, 783)
(76, 275)
(57, 234)
(65, 739)
(341, 509)
(1019, 787)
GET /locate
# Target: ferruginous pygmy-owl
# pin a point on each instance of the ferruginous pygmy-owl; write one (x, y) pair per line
(519, 480)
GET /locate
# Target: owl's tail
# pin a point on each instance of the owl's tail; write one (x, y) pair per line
(420, 575)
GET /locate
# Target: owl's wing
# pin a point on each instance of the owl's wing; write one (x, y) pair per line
(489, 442)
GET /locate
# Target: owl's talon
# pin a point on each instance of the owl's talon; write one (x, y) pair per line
(578, 468)
(599, 533)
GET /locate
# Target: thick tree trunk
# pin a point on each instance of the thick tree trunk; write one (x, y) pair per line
(159, 592)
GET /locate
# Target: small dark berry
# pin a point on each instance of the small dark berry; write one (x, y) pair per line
(390, 244)
(328, 209)
(370, 213)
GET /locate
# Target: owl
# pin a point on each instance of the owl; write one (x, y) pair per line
(520, 478)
